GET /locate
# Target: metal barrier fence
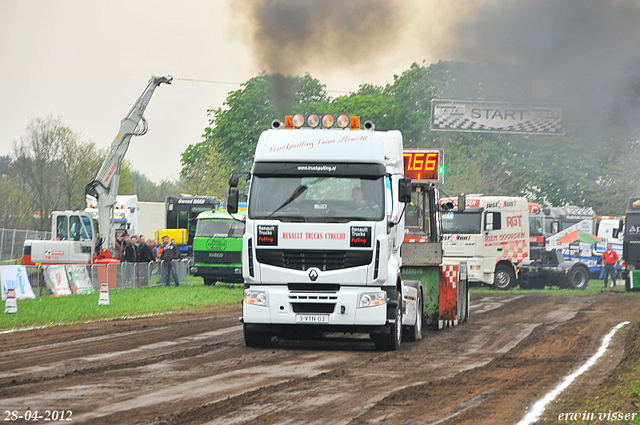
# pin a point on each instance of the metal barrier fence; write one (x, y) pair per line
(118, 276)
(12, 241)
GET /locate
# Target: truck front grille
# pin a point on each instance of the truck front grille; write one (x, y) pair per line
(313, 307)
(305, 259)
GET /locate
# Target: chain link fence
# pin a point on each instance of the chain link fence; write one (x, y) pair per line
(12, 242)
(118, 276)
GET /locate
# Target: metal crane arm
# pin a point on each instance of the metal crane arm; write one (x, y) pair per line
(105, 185)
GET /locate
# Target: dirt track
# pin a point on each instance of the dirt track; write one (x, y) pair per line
(183, 369)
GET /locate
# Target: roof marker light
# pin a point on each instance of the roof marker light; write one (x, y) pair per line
(327, 121)
(298, 120)
(313, 121)
(343, 121)
(288, 122)
(355, 123)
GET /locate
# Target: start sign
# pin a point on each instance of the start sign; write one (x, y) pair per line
(423, 165)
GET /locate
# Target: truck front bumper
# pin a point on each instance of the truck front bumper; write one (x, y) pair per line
(337, 311)
(218, 273)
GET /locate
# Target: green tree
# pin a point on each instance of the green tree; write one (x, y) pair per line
(38, 156)
(233, 132)
(80, 162)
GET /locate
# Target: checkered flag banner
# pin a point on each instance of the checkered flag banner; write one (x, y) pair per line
(495, 117)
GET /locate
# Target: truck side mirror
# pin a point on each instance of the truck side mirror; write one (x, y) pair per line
(233, 181)
(232, 200)
(404, 191)
(462, 202)
(620, 226)
(488, 226)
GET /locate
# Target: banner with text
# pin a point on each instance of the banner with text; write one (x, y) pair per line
(55, 277)
(15, 277)
(79, 280)
(495, 117)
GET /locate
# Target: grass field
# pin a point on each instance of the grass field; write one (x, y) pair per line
(47, 311)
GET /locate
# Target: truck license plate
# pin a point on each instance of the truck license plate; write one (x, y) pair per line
(312, 318)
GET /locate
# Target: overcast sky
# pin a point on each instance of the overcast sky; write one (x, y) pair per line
(87, 61)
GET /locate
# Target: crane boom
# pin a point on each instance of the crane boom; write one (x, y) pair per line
(105, 185)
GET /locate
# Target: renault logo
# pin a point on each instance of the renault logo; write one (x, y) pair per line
(313, 274)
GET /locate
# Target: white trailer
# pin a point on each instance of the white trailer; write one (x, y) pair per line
(151, 216)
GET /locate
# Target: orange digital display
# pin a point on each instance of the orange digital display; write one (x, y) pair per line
(422, 165)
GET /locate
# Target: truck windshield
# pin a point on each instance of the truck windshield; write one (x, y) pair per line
(536, 226)
(465, 222)
(219, 229)
(318, 199)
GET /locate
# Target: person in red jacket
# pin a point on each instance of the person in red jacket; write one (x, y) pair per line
(610, 260)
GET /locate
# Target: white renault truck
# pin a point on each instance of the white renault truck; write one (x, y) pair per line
(492, 233)
(324, 229)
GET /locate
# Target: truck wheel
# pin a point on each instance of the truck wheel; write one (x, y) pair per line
(627, 283)
(256, 339)
(579, 278)
(392, 340)
(465, 304)
(414, 333)
(504, 277)
(209, 281)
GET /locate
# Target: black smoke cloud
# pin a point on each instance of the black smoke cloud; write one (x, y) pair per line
(290, 36)
(583, 53)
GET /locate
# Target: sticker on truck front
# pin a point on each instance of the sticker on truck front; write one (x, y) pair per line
(267, 235)
(360, 236)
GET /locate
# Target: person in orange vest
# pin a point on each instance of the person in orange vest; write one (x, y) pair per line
(609, 261)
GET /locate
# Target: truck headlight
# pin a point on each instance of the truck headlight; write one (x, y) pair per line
(255, 297)
(371, 299)
(474, 268)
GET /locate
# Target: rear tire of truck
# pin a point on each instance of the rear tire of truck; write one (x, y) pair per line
(579, 278)
(465, 305)
(392, 340)
(504, 277)
(414, 333)
(209, 281)
(256, 339)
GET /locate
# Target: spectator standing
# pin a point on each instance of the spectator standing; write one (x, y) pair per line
(169, 255)
(129, 250)
(145, 254)
(119, 245)
(154, 249)
(141, 243)
(610, 260)
(145, 257)
(163, 274)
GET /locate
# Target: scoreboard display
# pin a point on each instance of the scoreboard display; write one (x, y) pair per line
(423, 165)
